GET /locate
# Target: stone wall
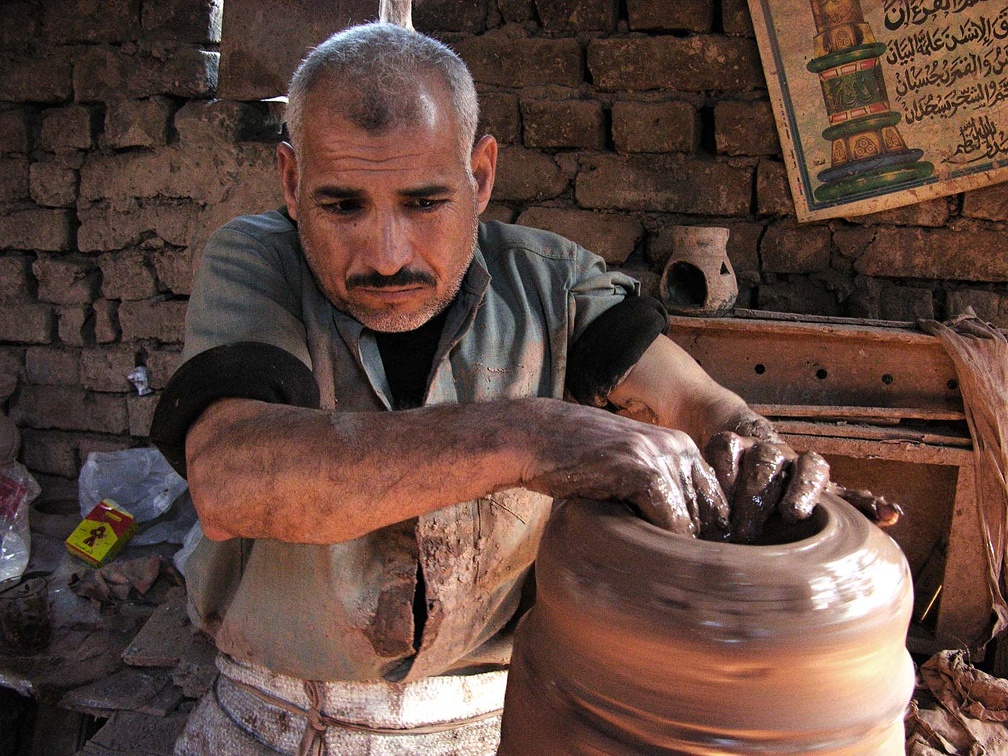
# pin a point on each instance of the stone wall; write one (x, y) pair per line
(616, 119)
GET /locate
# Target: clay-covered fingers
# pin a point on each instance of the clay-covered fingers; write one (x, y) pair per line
(808, 478)
(875, 508)
(724, 453)
(712, 509)
(758, 489)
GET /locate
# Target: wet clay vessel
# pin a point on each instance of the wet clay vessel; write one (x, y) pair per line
(644, 642)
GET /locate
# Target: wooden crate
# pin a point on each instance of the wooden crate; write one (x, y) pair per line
(881, 403)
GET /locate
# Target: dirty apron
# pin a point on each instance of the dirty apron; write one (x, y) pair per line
(252, 711)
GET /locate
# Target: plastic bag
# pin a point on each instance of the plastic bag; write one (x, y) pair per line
(17, 490)
(139, 481)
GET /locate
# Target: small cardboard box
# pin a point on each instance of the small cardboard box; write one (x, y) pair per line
(101, 534)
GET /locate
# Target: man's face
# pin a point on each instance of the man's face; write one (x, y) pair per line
(387, 220)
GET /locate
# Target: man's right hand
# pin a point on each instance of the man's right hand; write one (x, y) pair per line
(599, 455)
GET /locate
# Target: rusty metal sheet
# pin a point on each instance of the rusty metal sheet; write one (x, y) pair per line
(262, 43)
(799, 363)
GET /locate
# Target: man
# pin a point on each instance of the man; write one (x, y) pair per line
(362, 568)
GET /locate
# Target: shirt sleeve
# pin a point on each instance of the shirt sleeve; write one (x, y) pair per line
(244, 334)
(613, 326)
(248, 288)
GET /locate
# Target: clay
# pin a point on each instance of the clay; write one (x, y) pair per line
(645, 642)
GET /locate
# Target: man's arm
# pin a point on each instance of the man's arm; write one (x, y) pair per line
(260, 470)
(757, 471)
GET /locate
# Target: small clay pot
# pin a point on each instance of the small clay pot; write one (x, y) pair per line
(698, 278)
(645, 642)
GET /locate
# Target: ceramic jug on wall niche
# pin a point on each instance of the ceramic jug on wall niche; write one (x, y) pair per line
(698, 278)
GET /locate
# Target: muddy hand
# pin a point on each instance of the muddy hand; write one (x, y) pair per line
(760, 477)
(875, 508)
(595, 454)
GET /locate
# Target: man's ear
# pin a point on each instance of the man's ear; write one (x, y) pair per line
(484, 169)
(287, 163)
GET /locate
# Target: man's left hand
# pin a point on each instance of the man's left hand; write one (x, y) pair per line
(762, 476)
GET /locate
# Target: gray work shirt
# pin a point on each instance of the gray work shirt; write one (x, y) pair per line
(344, 611)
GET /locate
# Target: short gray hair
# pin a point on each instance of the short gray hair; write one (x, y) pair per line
(380, 64)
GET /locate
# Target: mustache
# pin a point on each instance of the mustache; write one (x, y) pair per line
(402, 277)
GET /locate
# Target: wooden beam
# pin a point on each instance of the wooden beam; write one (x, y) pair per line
(399, 12)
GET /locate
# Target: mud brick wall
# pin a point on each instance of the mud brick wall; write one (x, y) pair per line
(617, 119)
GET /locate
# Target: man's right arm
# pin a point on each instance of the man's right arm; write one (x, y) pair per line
(262, 470)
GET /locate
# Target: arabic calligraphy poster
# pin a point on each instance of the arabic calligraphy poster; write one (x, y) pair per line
(883, 103)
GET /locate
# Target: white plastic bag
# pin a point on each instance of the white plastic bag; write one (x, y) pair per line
(139, 481)
(17, 490)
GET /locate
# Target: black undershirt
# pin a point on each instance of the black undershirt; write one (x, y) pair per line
(407, 358)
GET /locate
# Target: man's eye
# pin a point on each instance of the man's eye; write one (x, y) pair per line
(426, 203)
(342, 207)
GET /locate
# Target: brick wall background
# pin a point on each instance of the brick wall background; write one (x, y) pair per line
(617, 119)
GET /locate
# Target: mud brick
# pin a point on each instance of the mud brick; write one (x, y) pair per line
(773, 195)
(12, 362)
(518, 61)
(906, 303)
(104, 229)
(789, 248)
(220, 121)
(52, 366)
(106, 321)
(498, 212)
(104, 73)
(564, 123)
(14, 131)
(70, 127)
(654, 126)
(165, 173)
(53, 185)
(44, 77)
(965, 251)
(76, 325)
(524, 175)
(126, 275)
(27, 323)
(160, 321)
(745, 128)
(19, 25)
(13, 179)
(851, 242)
(49, 452)
(735, 18)
(691, 15)
(66, 280)
(988, 305)
(798, 294)
(683, 64)
(195, 21)
(577, 15)
(105, 370)
(743, 245)
(39, 229)
(66, 21)
(499, 115)
(138, 123)
(70, 408)
(16, 283)
(664, 183)
(518, 11)
(989, 203)
(141, 413)
(933, 213)
(175, 269)
(612, 237)
(161, 365)
(451, 15)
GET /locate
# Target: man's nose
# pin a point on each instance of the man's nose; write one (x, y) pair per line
(393, 249)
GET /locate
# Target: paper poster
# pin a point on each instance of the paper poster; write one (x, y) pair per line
(883, 103)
